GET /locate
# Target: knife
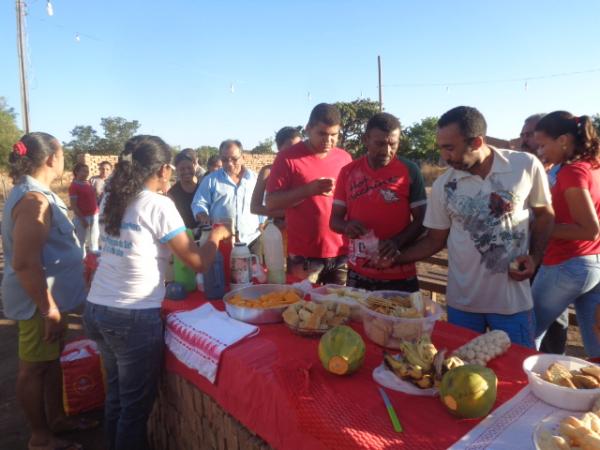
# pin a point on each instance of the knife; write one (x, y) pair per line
(390, 409)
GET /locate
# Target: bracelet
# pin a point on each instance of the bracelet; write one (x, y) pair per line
(47, 313)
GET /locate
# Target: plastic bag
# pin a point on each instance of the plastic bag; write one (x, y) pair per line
(83, 377)
(365, 247)
(386, 378)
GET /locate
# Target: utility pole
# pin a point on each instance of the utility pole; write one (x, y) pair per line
(380, 87)
(22, 72)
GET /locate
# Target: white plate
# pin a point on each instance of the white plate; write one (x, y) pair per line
(388, 379)
(550, 423)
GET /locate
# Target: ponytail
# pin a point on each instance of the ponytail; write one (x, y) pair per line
(585, 135)
(30, 153)
(587, 142)
(142, 158)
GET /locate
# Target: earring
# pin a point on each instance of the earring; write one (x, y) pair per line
(564, 147)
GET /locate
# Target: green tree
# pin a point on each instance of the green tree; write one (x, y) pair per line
(265, 146)
(355, 115)
(85, 140)
(418, 141)
(9, 131)
(117, 131)
(205, 152)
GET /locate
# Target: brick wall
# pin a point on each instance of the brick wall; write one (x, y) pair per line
(252, 161)
(256, 162)
(93, 161)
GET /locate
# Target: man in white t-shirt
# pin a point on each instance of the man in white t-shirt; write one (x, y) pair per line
(480, 208)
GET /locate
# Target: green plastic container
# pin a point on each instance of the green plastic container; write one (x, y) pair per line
(183, 274)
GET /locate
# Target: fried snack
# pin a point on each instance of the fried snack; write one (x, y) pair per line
(557, 373)
(290, 315)
(547, 441)
(315, 316)
(593, 371)
(591, 421)
(270, 300)
(577, 433)
(584, 378)
(314, 322)
(591, 442)
(585, 382)
(567, 382)
(397, 306)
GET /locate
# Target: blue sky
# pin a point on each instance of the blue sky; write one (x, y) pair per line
(171, 64)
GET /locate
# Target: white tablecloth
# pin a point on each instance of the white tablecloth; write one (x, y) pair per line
(511, 426)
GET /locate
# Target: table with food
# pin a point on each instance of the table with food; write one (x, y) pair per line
(296, 366)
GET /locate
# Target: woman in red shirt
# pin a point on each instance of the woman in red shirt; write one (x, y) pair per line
(570, 271)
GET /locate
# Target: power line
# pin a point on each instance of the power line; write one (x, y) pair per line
(495, 81)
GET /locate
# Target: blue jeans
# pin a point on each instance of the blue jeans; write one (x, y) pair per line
(520, 327)
(130, 342)
(90, 236)
(576, 281)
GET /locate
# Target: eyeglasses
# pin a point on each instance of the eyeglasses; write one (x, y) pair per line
(232, 160)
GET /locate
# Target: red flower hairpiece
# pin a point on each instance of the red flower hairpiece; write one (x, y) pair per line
(20, 149)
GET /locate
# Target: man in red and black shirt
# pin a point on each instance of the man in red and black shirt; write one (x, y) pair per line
(302, 181)
(379, 203)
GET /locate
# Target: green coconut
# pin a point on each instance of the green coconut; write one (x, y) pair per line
(469, 391)
(342, 350)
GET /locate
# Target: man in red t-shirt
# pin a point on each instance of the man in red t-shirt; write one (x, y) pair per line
(302, 181)
(379, 203)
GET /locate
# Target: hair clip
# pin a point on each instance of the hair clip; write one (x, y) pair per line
(20, 149)
(126, 157)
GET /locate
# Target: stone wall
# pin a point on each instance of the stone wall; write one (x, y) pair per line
(252, 161)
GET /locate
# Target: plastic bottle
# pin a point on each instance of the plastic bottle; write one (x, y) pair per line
(241, 264)
(183, 274)
(204, 234)
(273, 249)
(214, 279)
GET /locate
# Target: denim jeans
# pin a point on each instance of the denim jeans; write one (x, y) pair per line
(130, 342)
(88, 237)
(520, 327)
(576, 281)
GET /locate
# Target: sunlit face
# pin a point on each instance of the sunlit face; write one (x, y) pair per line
(322, 137)
(232, 160)
(454, 148)
(381, 146)
(59, 156)
(289, 142)
(186, 170)
(528, 143)
(83, 173)
(104, 171)
(553, 151)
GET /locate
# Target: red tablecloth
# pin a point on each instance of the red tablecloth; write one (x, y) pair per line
(274, 385)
